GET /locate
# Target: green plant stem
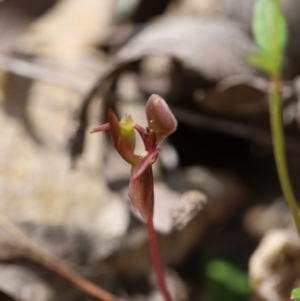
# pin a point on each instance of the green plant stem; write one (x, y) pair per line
(279, 150)
(154, 250)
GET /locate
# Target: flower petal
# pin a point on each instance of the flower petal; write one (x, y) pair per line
(144, 163)
(103, 127)
(123, 137)
(141, 193)
(160, 118)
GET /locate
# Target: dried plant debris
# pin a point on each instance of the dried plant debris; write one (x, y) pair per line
(216, 48)
(77, 246)
(27, 282)
(296, 110)
(16, 15)
(235, 96)
(5, 297)
(274, 266)
(43, 284)
(190, 203)
(241, 13)
(263, 217)
(32, 281)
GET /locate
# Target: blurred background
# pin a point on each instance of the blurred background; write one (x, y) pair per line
(224, 228)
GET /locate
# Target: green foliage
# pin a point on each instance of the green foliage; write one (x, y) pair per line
(227, 274)
(296, 294)
(225, 280)
(270, 33)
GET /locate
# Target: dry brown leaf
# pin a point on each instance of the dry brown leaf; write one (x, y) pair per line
(214, 48)
(235, 96)
(15, 16)
(189, 205)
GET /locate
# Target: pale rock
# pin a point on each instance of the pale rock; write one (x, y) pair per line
(263, 217)
(274, 266)
(70, 29)
(36, 181)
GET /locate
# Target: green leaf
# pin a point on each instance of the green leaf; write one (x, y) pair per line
(269, 27)
(296, 294)
(270, 33)
(228, 275)
(265, 62)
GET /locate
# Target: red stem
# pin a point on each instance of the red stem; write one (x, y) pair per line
(154, 250)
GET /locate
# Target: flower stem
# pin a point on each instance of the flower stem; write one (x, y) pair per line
(279, 150)
(154, 250)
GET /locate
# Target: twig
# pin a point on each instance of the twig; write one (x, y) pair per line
(29, 251)
(40, 72)
(61, 269)
(76, 141)
(230, 127)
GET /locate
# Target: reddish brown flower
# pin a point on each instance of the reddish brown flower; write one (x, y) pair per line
(161, 123)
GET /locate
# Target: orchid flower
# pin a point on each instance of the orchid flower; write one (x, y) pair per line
(161, 123)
